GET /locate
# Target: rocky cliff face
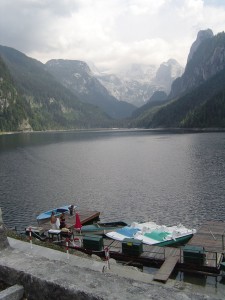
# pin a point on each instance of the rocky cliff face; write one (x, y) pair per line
(132, 91)
(74, 75)
(137, 83)
(205, 60)
(25, 125)
(131, 84)
(167, 73)
(201, 36)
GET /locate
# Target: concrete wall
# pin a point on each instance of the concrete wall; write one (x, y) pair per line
(37, 288)
(3, 237)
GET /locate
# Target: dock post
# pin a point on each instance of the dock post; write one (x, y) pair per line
(67, 247)
(180, 255)
(30, 237)
(223, 241)
(107, 256)
(216, 259)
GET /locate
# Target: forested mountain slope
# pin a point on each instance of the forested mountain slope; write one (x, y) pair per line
(192, 110)
(14, 110)
(51, 105)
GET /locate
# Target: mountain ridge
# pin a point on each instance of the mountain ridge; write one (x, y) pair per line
(79, 79)
(199, 88)
(202, 65)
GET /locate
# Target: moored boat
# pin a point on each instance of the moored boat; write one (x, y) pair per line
(152, 234)
(57, 211)
(102, 228)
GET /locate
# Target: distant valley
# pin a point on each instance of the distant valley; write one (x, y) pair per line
(136, 83)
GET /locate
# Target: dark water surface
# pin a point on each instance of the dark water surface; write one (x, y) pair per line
(164, 177)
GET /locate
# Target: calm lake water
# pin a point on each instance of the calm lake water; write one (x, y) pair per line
(164, 177)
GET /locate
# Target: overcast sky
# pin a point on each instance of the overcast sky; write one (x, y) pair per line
(109, 33)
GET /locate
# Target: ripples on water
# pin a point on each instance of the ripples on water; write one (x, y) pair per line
(165, 177)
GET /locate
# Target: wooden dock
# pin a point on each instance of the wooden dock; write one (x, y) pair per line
(166, 269)
(86, 216)
(152, 255)
(209, 237)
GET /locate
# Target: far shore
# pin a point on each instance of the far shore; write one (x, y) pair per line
(178, 130)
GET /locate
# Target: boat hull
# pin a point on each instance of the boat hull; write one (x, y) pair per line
(102, 228)
(178, 241)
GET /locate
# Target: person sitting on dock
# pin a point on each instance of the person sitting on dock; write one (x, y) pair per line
(62, 221)
(53, 220)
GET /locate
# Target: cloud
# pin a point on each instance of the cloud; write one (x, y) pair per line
(145, 7)
(110, 33)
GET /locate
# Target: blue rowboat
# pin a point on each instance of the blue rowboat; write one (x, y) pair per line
(58, 211)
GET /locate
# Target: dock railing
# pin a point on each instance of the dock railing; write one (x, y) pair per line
(211, 259)
(205, 261)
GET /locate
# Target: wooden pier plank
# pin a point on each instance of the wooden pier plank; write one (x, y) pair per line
(209, 236)
(166, 269)
(87, 215)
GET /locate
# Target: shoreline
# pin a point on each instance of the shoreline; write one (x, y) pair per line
(173, 130)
